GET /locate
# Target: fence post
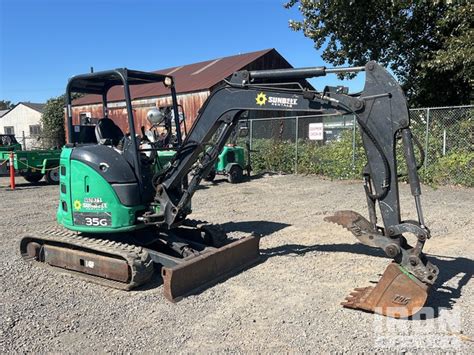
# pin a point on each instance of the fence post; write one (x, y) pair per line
(296, 145)
(353, 140)
(24, 139)
(444, 142)
(250, 134)
(426, 138)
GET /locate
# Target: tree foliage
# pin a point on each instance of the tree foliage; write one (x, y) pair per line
(52, 122)
(6, 105)
(427, 44)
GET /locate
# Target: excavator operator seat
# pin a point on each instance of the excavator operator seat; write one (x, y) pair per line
(107, 132)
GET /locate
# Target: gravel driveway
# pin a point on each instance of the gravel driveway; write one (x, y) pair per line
(288, 302)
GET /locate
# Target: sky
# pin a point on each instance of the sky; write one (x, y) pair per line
(45, 42)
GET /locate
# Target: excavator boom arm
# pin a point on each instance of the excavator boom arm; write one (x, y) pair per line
(220, 113)
(381, 110)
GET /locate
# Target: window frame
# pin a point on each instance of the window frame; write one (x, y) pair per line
(32, 134)
(6, 130)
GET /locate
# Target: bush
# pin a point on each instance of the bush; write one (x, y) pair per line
(334, 160)
(273, 155)
(455, 168)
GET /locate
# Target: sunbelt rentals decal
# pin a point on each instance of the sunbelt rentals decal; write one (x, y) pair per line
(90, 203)
(262, 99)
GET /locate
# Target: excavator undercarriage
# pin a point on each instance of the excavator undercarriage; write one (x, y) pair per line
(124, 210)
(193, 258)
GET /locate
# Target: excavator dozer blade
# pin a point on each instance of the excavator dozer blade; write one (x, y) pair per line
(397, 294)
(207, 269)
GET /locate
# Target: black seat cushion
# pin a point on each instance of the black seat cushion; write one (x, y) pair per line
(107, 132)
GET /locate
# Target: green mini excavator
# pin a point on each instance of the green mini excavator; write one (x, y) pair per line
(125, 199)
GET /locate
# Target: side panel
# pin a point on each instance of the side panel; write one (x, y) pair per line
(63, 214)
(223, 160)
(91, 204)
(240, 156)
(163, 158)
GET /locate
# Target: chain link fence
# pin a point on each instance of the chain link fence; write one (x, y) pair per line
(38, 141)
(331, 144)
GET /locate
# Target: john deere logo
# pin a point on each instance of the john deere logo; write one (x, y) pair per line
(261, 99)
(77, 205)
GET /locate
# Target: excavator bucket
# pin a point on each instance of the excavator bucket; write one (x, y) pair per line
(398, 294)
(207, 269)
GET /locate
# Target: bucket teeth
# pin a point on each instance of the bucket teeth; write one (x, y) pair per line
(357, 298)
(358, 225)
(352, 221)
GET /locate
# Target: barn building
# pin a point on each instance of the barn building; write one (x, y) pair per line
(194, 83)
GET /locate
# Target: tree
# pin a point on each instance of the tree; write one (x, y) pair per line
(427, 44)
(6, 105)
(52, 122)
(456, 56)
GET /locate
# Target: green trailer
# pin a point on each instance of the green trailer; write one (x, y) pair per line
(32, 165)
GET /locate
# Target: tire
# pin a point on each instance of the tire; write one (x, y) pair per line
(52, 176)
(236, 175)
(33, 177)
(211, 176)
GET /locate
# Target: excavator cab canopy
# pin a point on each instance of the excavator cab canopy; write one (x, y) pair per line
(99, 83)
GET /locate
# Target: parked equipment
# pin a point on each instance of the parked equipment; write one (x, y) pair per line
(234, 159)
(121, 215)
(32, 165)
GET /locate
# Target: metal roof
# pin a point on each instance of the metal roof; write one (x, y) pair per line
(188, 78)
(36, 107)
(2, 112)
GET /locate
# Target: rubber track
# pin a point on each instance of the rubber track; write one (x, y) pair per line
(138, 259)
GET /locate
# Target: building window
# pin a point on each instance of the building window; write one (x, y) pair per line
(9, 130)
(35, 130)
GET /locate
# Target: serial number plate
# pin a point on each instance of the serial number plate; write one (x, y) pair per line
(92, 219)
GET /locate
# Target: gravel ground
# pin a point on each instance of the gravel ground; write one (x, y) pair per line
(288, 302)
